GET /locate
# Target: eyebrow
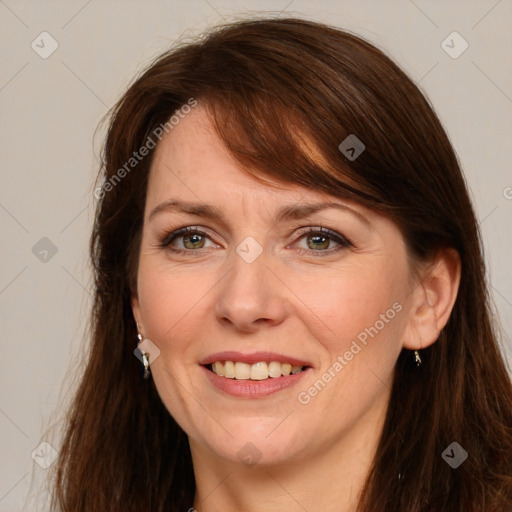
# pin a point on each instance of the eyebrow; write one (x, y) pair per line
(291, 212)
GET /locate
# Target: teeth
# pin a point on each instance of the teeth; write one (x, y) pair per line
(286, 369)
(257, 371)
(274, 369)
(218, 368)
(242, 371)
(229, 369)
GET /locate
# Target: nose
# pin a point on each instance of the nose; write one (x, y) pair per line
(251, 297)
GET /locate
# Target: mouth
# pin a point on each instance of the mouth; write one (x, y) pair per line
(262, 370)
(255, 375)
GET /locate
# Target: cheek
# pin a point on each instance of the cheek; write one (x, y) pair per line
(168, 301)
(362, 316)
(350, 302)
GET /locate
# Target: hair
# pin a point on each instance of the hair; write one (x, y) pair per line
(275, 89)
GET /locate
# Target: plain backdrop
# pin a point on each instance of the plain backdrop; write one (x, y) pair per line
(51, 107)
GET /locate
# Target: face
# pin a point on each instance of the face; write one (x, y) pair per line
(278, 318)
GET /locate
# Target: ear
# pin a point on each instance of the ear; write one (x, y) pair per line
(433, 299)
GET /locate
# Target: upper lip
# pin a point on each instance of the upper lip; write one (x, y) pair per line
(252, 358)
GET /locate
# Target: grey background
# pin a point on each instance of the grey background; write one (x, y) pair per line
(49, 157)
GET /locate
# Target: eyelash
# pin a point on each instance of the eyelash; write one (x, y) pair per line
(328, 233)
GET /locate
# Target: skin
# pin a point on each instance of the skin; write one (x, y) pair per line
(286, 301)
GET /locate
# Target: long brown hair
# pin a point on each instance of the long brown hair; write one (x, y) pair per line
(269, 84)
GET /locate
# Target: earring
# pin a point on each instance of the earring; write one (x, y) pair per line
(145, 358)
(417, 358)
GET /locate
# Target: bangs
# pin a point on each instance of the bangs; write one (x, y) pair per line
(270, 139)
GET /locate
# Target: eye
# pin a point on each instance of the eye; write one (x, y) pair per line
(186, 239)
(320, 240)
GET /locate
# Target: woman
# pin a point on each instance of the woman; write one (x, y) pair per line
(284, 233)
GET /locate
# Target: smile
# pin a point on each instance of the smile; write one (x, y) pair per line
(258, 371)
(254, 375)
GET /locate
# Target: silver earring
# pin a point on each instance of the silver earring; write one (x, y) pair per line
(145, 358)
(417, 358)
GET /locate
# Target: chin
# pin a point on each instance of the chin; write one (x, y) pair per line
(253, 447)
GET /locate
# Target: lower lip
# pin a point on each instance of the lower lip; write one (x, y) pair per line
(253, 388)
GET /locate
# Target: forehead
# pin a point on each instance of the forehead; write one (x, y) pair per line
(192, 161)
(192, 164)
